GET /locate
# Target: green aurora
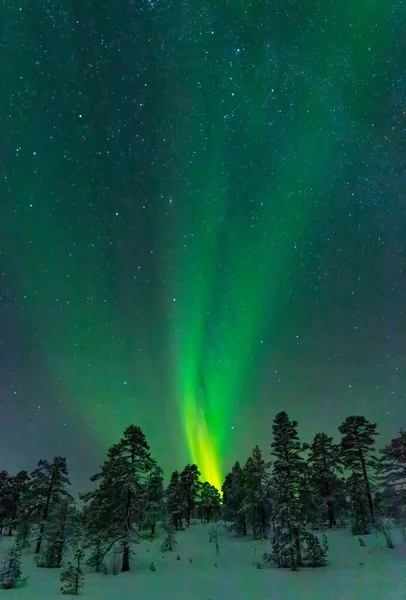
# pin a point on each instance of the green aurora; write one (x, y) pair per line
(248, 109)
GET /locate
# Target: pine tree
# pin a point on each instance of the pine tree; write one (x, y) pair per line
(4, 498)
(118, 504)
(393, 459)
(169, 542)
(286, 523)
(357, 445)
(175, 500)
(256, 493)
(190, 485)
(325, 465)
(359, 509)
(288, 513)
(209, 503)
(233, 496)
(46, 488)
(18, 484)
(10, 572)
(155, 494)
(315, 555)
(60, 532)
(72, 576)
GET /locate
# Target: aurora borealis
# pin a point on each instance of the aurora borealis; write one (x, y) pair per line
(202, 223)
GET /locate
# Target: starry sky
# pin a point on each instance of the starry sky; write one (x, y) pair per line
(202, 223)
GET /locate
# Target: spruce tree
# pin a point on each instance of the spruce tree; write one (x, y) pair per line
(60, 532)
(175, 500)
(154, 497)
(169, 543)
(359, 509)
(18, 484)
(232, 503)
(288, 514)
(118, 504)
(46, 488)
(209, 501)
(10, 571)
(256, 493)
(286, 524)
(393, 459)
(4, 499)
(190, 485)
(72, 576)
(325, 466)
(357, 445)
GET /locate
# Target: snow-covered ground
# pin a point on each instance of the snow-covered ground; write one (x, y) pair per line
(373, 572)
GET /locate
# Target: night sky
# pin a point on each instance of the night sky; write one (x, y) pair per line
(202, 223)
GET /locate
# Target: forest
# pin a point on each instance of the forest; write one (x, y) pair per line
(303, 489)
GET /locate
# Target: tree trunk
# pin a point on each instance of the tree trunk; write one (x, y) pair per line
(368, 487)
(126, 558)
(45, 515)
(153, 529)
(39, 539)
(10, 531)
(244, 526)
(331, 519)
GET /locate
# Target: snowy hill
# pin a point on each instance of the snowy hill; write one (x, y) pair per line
(373, 572)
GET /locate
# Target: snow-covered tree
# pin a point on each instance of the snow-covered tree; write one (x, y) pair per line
(209, 501)
(175, 500)
(392, 466)
(72, 577)
(4, 498)
(325, 468)
(190, 485)
(232, 502)
(288, 518)
(117, 506)
(255, 503)
(359, 509)
(18, 484)
(47, 487)
(10, 571)
(169, 543)
(315, 555)
(61, 531)
(357, 446)
(287, 528)
(154, 498)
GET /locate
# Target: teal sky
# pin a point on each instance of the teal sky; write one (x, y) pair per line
(201, 225)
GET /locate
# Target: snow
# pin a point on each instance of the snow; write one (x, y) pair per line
(373, 572)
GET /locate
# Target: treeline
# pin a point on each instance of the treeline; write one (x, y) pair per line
(304, 486)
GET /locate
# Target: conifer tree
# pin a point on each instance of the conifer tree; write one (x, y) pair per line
(190, 485)
(209, 501)
(4, 498)
(256, 493)
(117, 506)
(155, 493)
(175, 500)
(286, 524)
(72, 576)
(359, 509)
(46, 488)
(325, 466)
(288, 517)
(169, 543)
(18, 484)
(393, 459)
(10, 571)
(233, 495)
(60, 532)
(357, 445)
